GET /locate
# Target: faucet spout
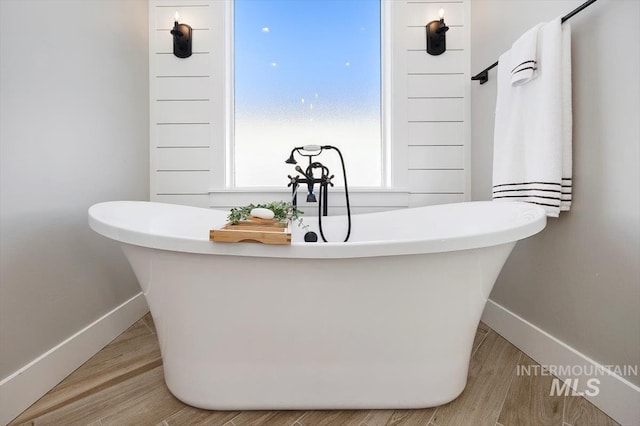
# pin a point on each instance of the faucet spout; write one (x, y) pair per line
(310, 180)
(291, 159)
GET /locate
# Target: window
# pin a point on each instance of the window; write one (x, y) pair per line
(306, 72)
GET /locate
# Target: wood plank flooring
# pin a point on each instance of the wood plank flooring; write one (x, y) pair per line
(123, 384)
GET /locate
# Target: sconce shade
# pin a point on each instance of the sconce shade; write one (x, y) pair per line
(181, 40)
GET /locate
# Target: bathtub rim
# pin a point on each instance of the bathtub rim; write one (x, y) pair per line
(331, 250)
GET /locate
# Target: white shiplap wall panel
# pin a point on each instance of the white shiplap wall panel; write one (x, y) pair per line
(167, 65)
(436, 85)
(193, 88)
(183, 158)
(198, 15)
(420, 13)
(450, 62)
(429, 106)
(183, 135)
(435, 109)
(182, 182)
(437, 181)
(183, 93)
(436, 157)
(178, 111)
(436, 133)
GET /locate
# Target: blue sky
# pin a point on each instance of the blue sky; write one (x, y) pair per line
(326, 52)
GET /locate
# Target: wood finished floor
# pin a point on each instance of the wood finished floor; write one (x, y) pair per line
(123, 384)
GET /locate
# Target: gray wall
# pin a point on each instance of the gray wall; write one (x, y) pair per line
(73, 131)
(579, 280)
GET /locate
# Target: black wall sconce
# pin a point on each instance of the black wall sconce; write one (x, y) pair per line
(436, 38)
(181, 39)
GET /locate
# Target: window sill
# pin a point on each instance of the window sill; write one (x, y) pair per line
(361, 199)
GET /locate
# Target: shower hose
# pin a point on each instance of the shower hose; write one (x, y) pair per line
(346, 195)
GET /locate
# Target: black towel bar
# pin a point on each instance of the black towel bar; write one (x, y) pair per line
(483, 76)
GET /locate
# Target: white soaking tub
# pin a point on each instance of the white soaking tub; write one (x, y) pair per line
(386, 320)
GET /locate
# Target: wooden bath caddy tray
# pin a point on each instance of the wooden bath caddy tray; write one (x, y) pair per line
(266, 231)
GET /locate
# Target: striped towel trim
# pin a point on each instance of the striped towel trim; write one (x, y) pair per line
(542, 193)
(530, 65)
(566, 194)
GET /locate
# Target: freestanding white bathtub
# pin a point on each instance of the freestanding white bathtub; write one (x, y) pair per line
(386, 320)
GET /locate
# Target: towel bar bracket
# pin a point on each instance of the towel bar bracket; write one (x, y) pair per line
(482, 76)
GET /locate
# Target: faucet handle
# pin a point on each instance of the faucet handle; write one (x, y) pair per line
(292, 180)
(328, 179)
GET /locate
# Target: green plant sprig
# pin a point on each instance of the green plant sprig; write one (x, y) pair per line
(282, 211)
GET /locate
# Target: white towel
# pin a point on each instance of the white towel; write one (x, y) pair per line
(523, 60)
(532, 135)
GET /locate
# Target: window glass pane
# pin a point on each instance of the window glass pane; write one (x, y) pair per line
(306, 72)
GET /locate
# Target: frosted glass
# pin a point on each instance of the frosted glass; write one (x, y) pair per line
(306, 72)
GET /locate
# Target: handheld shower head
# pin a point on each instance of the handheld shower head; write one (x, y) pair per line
(312, 148)
(310, 151)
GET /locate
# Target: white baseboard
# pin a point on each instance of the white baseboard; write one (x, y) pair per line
(24, 387)
(615, 395)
